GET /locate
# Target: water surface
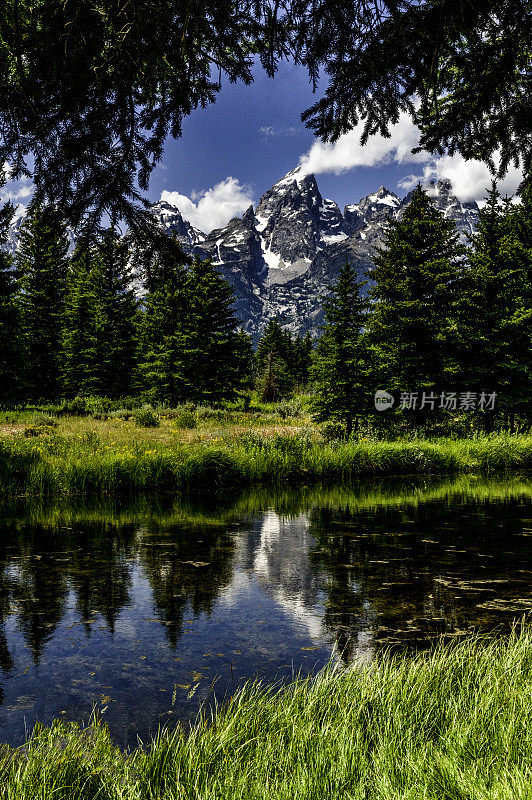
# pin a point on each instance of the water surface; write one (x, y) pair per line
(146, 609)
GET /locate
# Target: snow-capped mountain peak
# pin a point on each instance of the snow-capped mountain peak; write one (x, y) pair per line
(283, 256)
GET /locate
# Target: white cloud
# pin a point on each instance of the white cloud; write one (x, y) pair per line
(470, 179)
(347, 152)
(16, 190)
(213, 208)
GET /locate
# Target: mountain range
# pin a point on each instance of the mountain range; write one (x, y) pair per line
(283, 256)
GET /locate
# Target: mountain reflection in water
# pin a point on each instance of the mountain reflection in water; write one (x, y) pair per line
(147, 609)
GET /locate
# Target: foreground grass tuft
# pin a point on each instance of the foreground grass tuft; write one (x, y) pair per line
(452, 724)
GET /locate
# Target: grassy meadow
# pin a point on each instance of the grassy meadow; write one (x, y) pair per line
(455, 723)
(197, 449)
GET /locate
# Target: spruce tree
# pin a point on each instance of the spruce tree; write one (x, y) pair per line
(10, 345)
(415, 275)
(42, 260)
(274, 362)
(218, 354)
(117, 316)
(163, 373)
(302, 359)
(81, 365)
(494, 306)
(340, 366)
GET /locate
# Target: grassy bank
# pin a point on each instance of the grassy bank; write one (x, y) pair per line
(102, 457)
(63, 463)
(453, 724)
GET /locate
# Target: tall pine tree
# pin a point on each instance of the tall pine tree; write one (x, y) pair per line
(274, 361)
(163, 372)
(494, 306)
(415, 275)
(340, 367)
(81, 364)
(42, 260)
(10, 344)
(117, 320)
(219, 355)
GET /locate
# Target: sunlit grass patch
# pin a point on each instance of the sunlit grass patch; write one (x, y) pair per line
(451, 723)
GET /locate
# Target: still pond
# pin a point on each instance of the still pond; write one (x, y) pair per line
(146, 609)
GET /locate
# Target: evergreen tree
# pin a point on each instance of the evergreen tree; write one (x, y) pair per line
(302, 359)
(274, 362)
(81, 365)
(219, 356)
(191, 346)
(340, 366)
(494, 305)
(415, 276)
(42, 260)
(99, 336)
(10, 345)
(117, 316)
(162, 360)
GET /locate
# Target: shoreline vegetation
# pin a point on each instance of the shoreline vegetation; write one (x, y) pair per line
(451, 723)
(206, 450)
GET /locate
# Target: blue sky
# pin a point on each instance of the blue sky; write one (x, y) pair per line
(254, 135)
(234, 150)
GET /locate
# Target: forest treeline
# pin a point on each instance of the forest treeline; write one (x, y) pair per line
(437, 319)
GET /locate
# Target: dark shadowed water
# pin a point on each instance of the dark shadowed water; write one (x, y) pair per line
(146, 609)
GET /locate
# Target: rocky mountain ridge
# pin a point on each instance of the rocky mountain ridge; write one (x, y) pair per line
(282, 257)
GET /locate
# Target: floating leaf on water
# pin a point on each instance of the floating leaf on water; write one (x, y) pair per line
(183, 685)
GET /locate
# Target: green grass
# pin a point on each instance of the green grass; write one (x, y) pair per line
(455, 723)
(136, 459)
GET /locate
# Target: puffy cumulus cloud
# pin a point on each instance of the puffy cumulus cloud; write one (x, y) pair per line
(347, 152)
(470, 179)
(213, 208)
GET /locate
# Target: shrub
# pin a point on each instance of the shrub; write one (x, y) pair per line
(44, 420)
(122, 413)
(147, 418)
(333, 430)
(186, 419)
(76, 406)
(290, 408)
